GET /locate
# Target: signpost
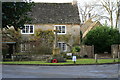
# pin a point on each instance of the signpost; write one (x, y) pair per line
(74, 59)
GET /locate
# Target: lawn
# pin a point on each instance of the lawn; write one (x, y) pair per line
(79, 61)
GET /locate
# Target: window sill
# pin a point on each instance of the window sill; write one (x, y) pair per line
(27, 33)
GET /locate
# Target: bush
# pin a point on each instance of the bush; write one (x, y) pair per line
(102, 38)
(76, 49)
(59, 58)
(68, 57)
(78, 56)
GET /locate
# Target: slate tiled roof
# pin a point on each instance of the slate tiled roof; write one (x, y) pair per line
(55, 13)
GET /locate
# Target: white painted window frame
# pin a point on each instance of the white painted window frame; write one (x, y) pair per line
(28, 30)
(23, 46)
(62, 46)
(61, 28)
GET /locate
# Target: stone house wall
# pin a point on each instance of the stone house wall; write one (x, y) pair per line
(72, 31)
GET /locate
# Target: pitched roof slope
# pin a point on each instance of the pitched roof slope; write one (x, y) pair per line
(55, 13)
(89, 25)
(85, 26)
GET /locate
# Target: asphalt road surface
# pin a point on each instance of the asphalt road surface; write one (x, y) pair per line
(81, 71)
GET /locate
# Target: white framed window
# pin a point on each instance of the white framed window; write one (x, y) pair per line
(61, 28)
(62, 46)
(25, 47)
(28, 29)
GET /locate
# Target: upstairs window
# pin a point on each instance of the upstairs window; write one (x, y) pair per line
(61, 28)
(28, 29)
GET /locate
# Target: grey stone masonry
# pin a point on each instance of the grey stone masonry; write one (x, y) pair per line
(115, 50)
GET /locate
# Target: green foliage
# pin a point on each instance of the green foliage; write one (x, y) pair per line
(102, 38)
(15, 14)
(46, 35)
(59, 57)
(43, 41)
(64, 37)
(66, 56)
(76, 49)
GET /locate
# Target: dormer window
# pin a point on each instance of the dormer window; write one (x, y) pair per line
(28, 29)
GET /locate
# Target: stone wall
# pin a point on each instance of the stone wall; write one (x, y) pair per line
(72, 33)
(115, 49)
(87, 50)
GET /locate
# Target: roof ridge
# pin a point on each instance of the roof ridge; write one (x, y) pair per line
(52, 3)
(89, 20)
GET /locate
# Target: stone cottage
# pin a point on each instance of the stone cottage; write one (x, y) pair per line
(50, 16)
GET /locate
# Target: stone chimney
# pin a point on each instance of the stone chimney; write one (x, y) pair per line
(74, 2)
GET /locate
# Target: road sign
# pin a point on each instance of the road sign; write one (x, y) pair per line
(74, 58)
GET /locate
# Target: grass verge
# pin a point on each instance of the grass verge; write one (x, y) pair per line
(79, 61)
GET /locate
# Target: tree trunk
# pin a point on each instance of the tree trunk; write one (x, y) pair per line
(111, 19)
(117, 17)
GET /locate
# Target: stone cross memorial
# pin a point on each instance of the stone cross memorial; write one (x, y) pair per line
(56, 50)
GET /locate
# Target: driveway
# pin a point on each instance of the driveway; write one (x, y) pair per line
(82, 71)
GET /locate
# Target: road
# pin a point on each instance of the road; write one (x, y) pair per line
(81, 71)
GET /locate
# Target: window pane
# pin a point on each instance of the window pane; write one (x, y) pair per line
(31, 29)
(56, 27)
(64, 47)
(23, 30)
(59, 45)
(63, 29)
(27, 29)
(60, 29)
(22, 47)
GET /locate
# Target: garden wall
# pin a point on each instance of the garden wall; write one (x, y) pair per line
(87, 50)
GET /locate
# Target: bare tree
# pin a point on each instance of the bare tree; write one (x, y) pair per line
(85, 11)
(101, 10)
(111, 7)
(117, 14)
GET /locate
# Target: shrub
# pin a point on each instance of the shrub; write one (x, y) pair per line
(59, 58)
(76, 49)
(102, 38)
